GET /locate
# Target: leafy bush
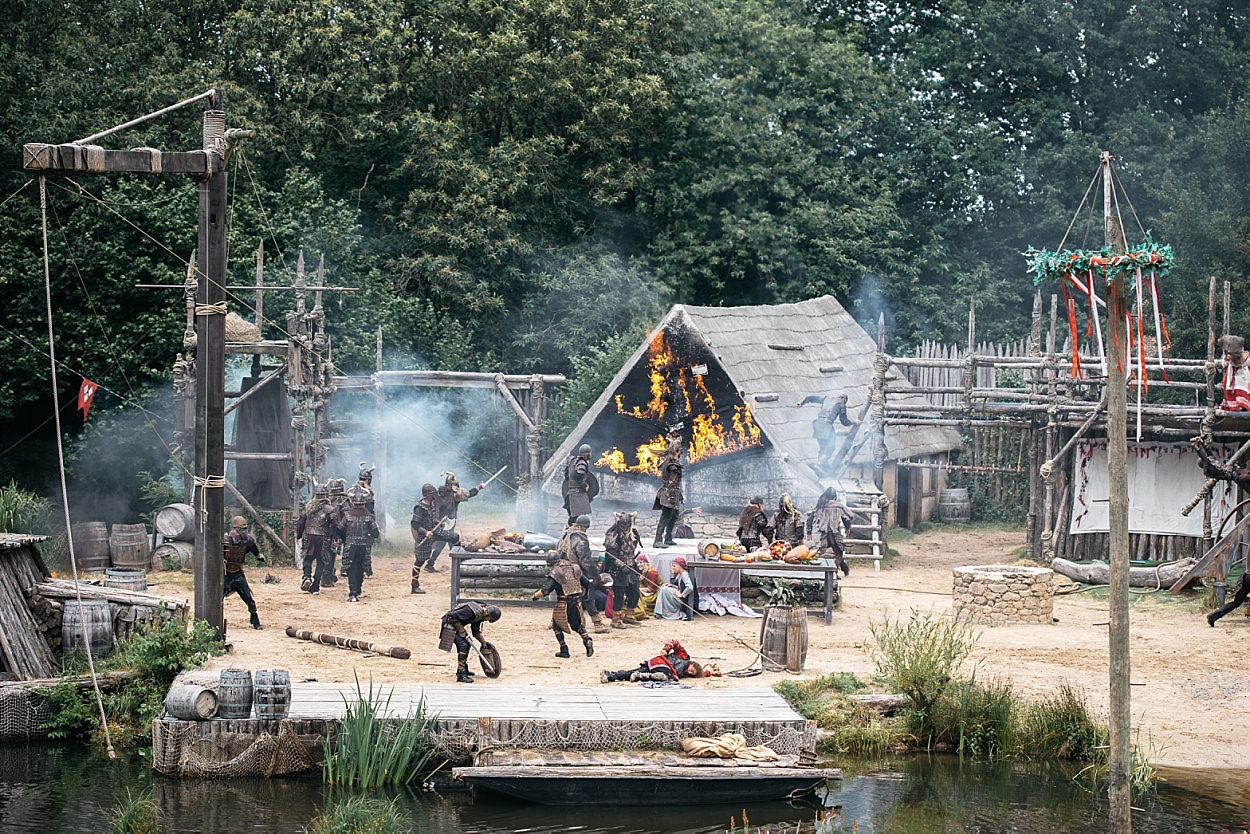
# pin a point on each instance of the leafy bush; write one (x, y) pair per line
(22, 511)
(368, 752)
(358, 814)
(157, 654)
(919, 658)
(136, 814)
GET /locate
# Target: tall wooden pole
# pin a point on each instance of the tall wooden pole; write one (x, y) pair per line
(1120, 754)
(210, 383)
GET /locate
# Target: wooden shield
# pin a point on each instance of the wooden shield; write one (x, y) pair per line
(489, 656)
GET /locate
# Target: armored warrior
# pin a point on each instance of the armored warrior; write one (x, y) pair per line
(829, 524)
(427, 527)
(235, 546)
(334, 547)
(363, 483)
(620, 545)
(360, 531)
(565, 580)
(669, 497)
(314, 529)
(574, 545)
(450, 496)
(580, 485)
(453, 632)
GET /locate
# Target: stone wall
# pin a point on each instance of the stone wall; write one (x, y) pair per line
(997, 594)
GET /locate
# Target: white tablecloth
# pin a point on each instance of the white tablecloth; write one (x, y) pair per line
(720, 589)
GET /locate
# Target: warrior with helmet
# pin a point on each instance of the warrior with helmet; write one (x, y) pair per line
(364, 484)
(450, 496)
(427, 527)
(620, 544)
(453, 632)
(574, 545)
(236, 545)
(580, 485)
(669, 497)
(334, 547)
(565, 579)
(360, 531)
(315, 528)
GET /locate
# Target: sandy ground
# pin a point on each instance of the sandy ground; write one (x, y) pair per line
(1189, 694)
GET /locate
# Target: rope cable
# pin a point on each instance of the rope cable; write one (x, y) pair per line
(60, 453)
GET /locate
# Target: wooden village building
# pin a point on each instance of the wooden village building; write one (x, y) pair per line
(732, 377)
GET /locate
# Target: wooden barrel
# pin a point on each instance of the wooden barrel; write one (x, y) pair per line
(88, 622)
(271, 693)
(708, 549)
(91, 545)
(176, 522)
(126, 579)
(783, 638)
(191, 702)
(173, 556)
(234, 693)
(954, 506)
(129, 547)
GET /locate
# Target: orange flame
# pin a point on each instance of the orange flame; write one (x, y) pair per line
(672, 380)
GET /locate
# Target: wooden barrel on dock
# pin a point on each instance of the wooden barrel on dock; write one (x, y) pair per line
(176, 522)
(954, 507)
(126, 579)
(783, 638)
(89, 622)
(271, 693)
(129, 547)
(173, 556)
(234, 693)
(91, 545)
(191, 702)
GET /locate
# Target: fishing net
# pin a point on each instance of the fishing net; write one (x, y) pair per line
(23, 712)
(206, 749)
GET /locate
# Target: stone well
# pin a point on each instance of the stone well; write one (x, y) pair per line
(996, 594)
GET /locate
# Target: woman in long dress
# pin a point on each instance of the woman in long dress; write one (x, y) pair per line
(648, 588)
(676, 599)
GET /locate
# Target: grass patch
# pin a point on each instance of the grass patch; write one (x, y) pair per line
(359, 814)
(1059, 726)
(977, 720)
(849, 726)
(136, 814)
(370, 752)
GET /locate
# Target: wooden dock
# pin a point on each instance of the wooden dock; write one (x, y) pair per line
(481, 718)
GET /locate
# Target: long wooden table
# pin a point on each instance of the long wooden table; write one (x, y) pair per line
(828, 571)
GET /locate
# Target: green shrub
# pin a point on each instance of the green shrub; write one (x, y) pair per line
(22, 511)
(358, 814)
(136, 814)
(919, 658)
(1059, 726)
(369, 752)
(979, 720)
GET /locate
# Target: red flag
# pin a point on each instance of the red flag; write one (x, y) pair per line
(86, 395)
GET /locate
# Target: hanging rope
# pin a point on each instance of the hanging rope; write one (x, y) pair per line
(60, 454)
(204, 484)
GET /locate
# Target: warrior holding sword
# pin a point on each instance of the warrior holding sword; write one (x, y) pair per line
(450, 496)
(427, 528)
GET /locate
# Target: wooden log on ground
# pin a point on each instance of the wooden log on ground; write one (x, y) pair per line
(347, 643)
(1099, 573)
(61, 589)
(470, 570)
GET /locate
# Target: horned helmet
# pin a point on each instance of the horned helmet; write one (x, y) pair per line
(358, 496)
(366, 472)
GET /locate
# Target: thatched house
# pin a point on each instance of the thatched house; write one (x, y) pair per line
(732, 378)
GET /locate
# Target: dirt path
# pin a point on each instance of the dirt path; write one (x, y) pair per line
(1189, 694)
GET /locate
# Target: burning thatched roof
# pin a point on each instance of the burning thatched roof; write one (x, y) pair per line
(732, 376)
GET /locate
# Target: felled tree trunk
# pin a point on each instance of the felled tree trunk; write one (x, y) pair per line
(1099, 573)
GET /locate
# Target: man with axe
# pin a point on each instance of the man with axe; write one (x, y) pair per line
(453, 631)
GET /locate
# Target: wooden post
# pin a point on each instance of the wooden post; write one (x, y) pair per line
(1119, 760)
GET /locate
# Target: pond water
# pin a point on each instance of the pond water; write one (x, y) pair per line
(54, 788)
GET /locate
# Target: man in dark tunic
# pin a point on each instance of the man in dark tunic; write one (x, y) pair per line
(832, 410)
(752, 524)
(669, 497)
(580, 484)
(565, 580)
(235, 546)
(453, 632)
(364, 483)
(360, 531)
(427, 527)
(450, 496)
(787, 524)
(829, 524)
(334, 545)
(620, 544)
(574, 545)
(315, 528)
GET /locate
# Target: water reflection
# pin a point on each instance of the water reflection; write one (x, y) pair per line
(49, 788)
